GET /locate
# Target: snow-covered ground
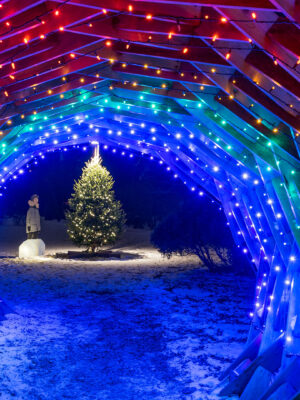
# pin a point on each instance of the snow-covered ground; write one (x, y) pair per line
(142, 329)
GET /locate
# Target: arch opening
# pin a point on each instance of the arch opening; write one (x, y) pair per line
(201, 101)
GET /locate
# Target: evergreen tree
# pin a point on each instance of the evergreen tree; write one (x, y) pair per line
(94, 217)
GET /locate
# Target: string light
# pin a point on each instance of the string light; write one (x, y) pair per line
(220, 142)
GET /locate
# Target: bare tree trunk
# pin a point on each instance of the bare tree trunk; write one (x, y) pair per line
(219, 253)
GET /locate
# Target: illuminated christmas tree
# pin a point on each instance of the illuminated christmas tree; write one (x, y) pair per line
(95, 218)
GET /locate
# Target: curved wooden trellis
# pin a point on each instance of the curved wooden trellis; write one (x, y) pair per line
(210, 88)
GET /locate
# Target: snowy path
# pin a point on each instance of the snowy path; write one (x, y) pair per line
(142, 329)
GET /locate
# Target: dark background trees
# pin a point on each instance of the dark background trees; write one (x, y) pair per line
(147, 191)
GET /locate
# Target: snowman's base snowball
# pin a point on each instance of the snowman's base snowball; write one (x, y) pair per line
(32, 248)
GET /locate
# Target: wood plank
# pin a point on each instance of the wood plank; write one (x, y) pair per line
(283, 392)
(258, 383)
(270, 359)
(288, 375)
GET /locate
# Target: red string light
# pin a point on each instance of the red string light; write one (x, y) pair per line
(149, 16)
(224, 20)
(253, 15)
(108, 43)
